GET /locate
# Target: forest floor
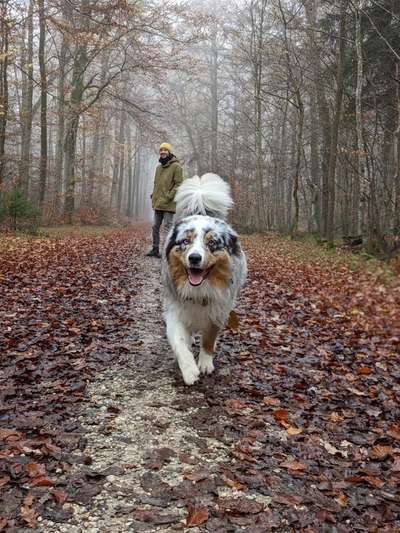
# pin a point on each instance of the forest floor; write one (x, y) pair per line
(296, 431)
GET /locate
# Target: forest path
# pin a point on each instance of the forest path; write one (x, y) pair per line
(139, 429)
(297, 429)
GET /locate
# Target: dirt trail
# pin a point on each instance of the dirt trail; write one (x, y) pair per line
(140, 427)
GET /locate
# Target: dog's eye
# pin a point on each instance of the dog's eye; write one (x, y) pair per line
(212, 244)
(185, 242)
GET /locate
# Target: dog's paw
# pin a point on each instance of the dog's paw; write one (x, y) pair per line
(206, 365)
(190, 374)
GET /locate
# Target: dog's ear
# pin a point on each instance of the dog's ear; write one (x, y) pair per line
(171, 241)
(232, 243)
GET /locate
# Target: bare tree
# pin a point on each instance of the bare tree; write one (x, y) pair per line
(43, 104)
(27, 102)
(4, 60)
(330, 226)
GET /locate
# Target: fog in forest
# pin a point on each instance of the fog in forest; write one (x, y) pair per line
(295, 103)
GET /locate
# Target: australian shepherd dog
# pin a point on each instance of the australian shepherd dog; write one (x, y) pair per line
(203, 269)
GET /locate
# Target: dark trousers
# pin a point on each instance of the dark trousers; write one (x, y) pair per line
(159, 218)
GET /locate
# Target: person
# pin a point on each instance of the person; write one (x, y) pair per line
(167, 179)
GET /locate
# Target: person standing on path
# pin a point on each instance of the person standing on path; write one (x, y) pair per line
(167, 179)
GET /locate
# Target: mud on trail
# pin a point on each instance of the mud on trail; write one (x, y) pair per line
(297, 429)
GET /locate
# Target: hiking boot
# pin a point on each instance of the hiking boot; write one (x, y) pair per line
(153, 253)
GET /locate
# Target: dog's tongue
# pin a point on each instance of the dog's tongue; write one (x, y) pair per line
(196, 276)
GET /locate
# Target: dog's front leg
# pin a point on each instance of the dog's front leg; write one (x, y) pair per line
(180, 341)
(209, 337)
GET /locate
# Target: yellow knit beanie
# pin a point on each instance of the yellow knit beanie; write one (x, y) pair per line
(167, 146)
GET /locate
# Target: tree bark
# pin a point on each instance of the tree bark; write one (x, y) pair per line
(77, 89)
(330, 230)
(43, 104)
(396, 221)
(27, 104)
(257, 13)
(130, 155)
(311, 8)
(4, 51)
(61, 111)
(118, 154)
(121, 170)
(80, 61)
(213, 68)
(360, 136)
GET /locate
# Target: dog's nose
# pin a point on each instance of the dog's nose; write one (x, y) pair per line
(195, 259)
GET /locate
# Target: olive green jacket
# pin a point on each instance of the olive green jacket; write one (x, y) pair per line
(166, 181)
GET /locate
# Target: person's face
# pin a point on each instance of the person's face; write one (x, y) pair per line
(163, 153)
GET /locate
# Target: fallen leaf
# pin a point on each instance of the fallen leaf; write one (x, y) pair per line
(287, 498)
(396, 465)
(35, 469)
(41, 481)
(281, 415)
(196, 476)
(293, 465)
(267, 400)
(293, 430)
(365, 370)
(329, 448)
(6, 433)
(196, 515)
(335, 417)
(239, 506)
(374, 481)
(4, 480)
(355, 479)
(233, 321)
(234, 483)
(28, 500)
(342, 499)
(59, 495)
(380, 451)
(394, 432)
(29, 516)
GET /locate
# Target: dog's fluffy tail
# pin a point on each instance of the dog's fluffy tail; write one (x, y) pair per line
(209, 195)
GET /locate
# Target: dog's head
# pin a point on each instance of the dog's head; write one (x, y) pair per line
(199, 251)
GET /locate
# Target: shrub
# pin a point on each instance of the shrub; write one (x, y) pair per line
(17, 211)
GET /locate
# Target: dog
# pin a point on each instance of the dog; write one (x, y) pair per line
(203, 269)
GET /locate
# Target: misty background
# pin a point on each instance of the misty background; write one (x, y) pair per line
(295, 103)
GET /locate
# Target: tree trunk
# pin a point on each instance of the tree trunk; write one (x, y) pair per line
(4, 43)
(61, 111)
(96, 167)
(330, 230)
(93, 172)
(299, 151)
(257, 13)
(282, 171)
(315, 181)
(311, 8)
(43, 104)
(27, 104)
(69, 166)
(213, 67)
(360, 137)
(118, 144)
(121, 170)
(130, 155)
(77, 89)
(396, 221)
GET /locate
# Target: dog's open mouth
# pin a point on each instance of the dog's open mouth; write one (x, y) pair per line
(196, 276)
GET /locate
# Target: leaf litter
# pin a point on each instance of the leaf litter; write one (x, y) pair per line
(297, 430)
